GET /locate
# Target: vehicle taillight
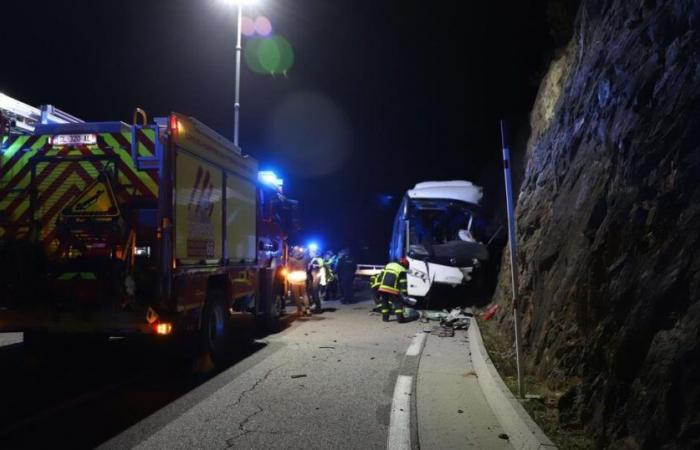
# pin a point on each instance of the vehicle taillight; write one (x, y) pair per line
(174, 125)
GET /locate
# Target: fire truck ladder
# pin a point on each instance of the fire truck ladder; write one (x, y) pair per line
(24, 118)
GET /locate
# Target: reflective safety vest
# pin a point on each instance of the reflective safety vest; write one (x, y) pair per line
(375, 281)
(329, 267)
(315, 264)
(392, 280)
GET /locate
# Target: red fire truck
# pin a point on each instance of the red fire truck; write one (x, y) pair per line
(160, 228)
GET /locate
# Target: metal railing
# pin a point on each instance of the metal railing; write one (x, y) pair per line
(367, 270)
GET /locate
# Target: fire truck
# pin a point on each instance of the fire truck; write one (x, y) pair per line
(115, 229)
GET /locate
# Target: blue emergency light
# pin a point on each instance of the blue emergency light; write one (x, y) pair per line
(270, 177)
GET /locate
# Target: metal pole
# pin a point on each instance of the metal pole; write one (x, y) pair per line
(512, 241)
(237, 104)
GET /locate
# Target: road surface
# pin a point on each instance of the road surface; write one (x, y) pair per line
(342, 379)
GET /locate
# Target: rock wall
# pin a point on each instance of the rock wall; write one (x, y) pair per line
(609, 225)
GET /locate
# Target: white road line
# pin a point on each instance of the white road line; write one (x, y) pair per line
(416, 345)
(400, 420)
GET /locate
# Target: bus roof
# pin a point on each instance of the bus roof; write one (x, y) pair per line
(464, 191)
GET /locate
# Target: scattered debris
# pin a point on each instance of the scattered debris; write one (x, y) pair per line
(490, 312)
(410, 313)
(446, 332)
(326, 346)
(503, 436)
(457, 319)
(460, 411)
(433, 315)
(471, 373)
(301, 375)
(372, 357)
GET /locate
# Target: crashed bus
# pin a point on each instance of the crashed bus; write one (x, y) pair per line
(438, 229)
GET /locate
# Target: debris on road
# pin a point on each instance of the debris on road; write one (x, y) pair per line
(301, 375)
(457, 319)
(433, 315)
(326, 346)
(446, 332)
(490, 312)
(503, 436)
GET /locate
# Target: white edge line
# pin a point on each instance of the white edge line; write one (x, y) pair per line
(400, 421)
(416, 345)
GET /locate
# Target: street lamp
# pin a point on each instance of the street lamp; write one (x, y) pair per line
(237, 105)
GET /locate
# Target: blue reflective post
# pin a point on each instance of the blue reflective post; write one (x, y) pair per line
(512, 245)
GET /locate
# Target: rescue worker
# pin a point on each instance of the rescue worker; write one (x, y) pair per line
(297, 281)
(315, 277)
(374, 282)
(392, 288)
(331, 267)
(346, 276)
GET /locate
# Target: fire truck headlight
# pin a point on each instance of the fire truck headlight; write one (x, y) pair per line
(296, 276)
(164, 328)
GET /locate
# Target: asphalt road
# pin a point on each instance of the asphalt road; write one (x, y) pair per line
(329, 381)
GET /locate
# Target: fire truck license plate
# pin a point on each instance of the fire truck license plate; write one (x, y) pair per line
(74, 139)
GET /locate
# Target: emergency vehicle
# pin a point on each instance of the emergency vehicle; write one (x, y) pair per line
(115, 229)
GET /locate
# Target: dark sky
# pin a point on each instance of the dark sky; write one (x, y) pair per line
(382, 94)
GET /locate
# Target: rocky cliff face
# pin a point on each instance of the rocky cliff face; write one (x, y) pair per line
(609, 225)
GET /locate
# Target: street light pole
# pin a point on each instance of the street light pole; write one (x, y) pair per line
(237, 104)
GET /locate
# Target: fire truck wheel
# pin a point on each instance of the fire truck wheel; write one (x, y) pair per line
(215, 328)
(273, 311)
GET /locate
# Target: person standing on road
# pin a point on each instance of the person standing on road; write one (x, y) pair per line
(297, 281)
(315, 278)
(331, 266)
(374, 283)
(346, 276)
(392, 288)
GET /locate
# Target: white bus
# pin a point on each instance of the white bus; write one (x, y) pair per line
(437, 229)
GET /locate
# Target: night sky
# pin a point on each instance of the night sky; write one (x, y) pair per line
(382, 94)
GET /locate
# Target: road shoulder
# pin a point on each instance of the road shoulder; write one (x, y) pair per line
(517, 423)
(451, 407)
